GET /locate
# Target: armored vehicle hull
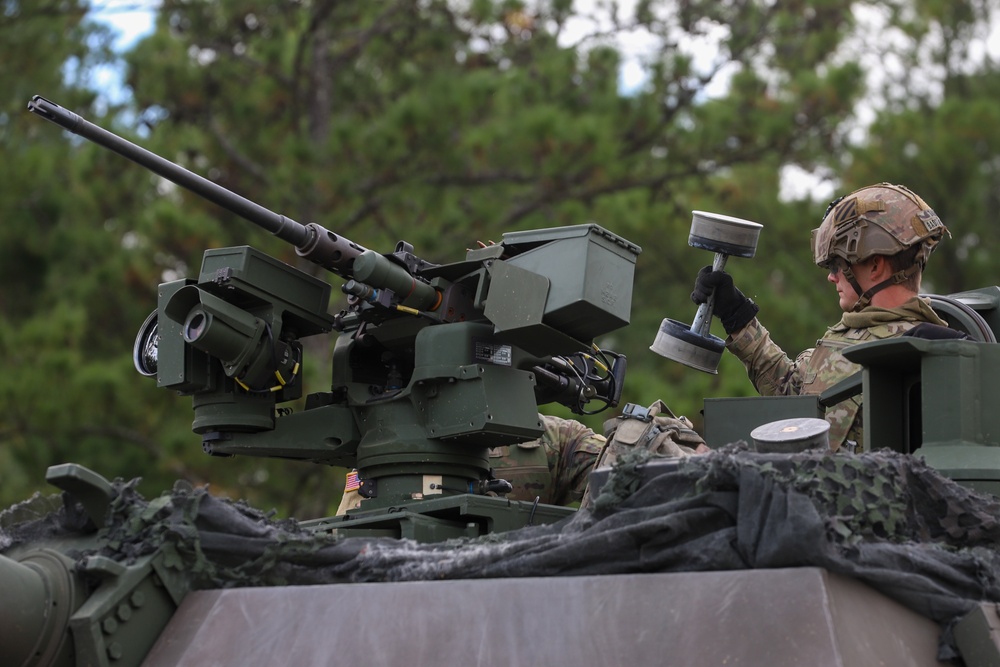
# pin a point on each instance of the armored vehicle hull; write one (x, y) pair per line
(782, 618)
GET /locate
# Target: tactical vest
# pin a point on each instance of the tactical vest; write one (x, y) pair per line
(827, 366)
(655, 429)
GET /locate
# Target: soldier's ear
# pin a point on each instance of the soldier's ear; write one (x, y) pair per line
(880, 269)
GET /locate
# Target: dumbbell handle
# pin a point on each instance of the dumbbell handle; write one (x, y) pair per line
(703, 318)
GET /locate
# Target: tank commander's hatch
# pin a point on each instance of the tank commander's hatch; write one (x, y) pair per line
(961, 312)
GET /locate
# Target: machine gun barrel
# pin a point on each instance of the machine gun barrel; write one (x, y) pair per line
(312, 241)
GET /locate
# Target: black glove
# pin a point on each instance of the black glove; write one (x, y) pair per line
(731, 306)
(935, 332)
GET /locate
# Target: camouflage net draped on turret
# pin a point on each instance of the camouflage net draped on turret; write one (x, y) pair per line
(883, 518)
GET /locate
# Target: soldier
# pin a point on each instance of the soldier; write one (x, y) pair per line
(554, 468)
(874, 244)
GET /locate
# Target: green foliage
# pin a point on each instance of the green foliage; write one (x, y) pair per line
(444, 123)
(948, 154)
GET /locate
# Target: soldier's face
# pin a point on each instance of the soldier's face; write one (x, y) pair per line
(845, 291)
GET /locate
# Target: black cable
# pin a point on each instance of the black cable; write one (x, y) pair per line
(531, 515)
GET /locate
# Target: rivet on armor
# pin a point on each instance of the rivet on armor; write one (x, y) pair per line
(115, 651)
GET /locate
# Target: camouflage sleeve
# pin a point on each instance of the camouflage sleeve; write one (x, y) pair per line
(572, 449)
(772, 372)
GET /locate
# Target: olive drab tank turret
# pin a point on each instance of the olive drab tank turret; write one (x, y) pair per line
(732, 557)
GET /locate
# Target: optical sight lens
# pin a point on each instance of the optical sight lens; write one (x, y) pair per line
(195, 326)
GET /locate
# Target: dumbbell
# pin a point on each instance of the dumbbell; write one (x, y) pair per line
(693, 345)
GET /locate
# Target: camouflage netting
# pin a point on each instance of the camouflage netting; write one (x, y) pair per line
(883, 518)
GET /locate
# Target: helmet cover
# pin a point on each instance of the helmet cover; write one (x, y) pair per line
(881, 219)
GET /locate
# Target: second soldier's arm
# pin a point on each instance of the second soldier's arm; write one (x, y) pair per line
(573, 449)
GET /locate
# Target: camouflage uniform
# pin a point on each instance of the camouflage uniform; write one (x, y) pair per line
(554, 468)
(773, 373)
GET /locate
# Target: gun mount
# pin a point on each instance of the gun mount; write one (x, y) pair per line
(434, 364)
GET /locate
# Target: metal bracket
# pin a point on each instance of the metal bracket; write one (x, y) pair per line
(368, 488)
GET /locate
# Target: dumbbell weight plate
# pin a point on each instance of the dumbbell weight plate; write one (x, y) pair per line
(677, 342)
(724, 234)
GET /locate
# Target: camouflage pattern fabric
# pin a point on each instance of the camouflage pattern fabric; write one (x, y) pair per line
(883, 518)
(655, 430)
(553, 468)
(817, 369)
(881, 219)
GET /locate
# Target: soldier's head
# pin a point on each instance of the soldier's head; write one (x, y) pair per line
(885, 227)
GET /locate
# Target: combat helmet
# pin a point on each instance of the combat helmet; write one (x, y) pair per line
(881, 219)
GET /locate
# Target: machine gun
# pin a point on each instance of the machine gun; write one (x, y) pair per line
(433, 365)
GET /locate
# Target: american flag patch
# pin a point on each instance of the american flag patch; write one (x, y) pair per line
(352, 483)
